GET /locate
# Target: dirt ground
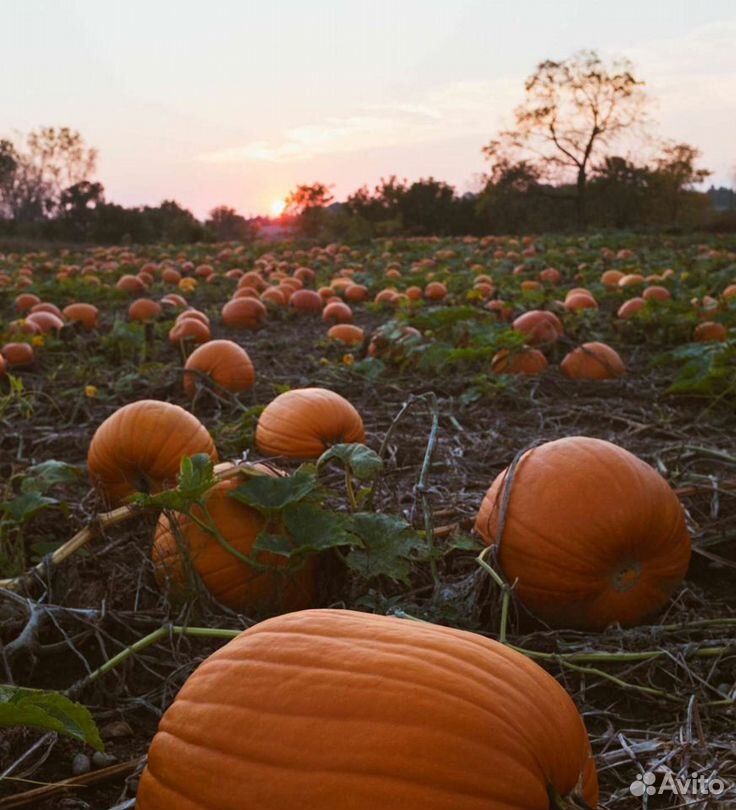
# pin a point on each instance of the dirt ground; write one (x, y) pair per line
(676, 709)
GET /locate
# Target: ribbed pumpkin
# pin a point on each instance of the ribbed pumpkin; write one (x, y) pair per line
(139, 448)
(86, 314)
(224, 362)
(244, 313)
(592, 534)
(593, 361)
(346, 333)
(304, 422)
(525, 361)
(539, 326)
(339, 710)
(231, 581)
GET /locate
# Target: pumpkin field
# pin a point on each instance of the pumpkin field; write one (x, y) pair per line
(473, 501)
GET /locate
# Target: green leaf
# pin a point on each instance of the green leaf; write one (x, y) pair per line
(48, 710)
(465, 542)
(314, 529)
(25, 506)
(269, 493)
(42, 476)
(362, 462)
(196, 478)
(388, 546)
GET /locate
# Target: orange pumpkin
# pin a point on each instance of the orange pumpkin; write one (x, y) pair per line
(710, 331)
(130, 284)
(656, 293)
(592, 534)
(19, 355)
(244, 313)
(231, 581)
(580, 300)
(86, 314)
(25, 301)
(539, 326)
(338, 710)
(306, 301)
(337, 312)
(224, 362)
(189, 330)
(435, 291)
(629, 308)
(44, 306)
(346, 333)
(356, 293)
(304, 422)
(526, 361)
(593, 361)
(140, 447)
(46, 322)
(144, 310)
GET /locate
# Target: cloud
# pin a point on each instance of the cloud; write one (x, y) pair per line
(449, 111)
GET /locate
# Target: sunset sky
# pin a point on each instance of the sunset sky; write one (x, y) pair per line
(235, 102)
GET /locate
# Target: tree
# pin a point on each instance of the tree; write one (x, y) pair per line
(227, 225)
(39, 168)
(572, 110)
(306, 197)
(675, 174)
(77, 206)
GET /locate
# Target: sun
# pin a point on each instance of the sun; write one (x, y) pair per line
(278, 207)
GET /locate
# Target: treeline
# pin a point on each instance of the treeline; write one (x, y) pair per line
(515, 199)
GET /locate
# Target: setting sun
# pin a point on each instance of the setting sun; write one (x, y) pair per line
(278, 207)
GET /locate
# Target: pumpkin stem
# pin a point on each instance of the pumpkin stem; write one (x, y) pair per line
(573, 801)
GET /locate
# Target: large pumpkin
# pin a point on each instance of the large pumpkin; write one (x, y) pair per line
(229, 579)
(140, 447)
(304, 422)
(224, 362)
(592, 534)
(593, 361)
(339, 710)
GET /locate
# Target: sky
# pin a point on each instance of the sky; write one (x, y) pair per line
(235, 102)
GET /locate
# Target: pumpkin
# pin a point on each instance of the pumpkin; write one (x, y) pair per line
(275, 296)
(526, 361)
(593, 361)
(356, 293)
(46, 322)
(631, 280)
(710, 331)
(337, 312)
(656, 293)
(130, 284)
(629, 308)
(86, 314)
(592, 534)
(44, 306)
(304, 422)
(171, 276)
(306, 301)
(580, 300)
(550, 275)
(189, 330)
(340, 710)
(346, 333)
(25, 301)
(144, 310)
(435, 291)
(611, 278)
(538, 326)
(244, 313)
(224, 362)
(140, 447)
(253, 590)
